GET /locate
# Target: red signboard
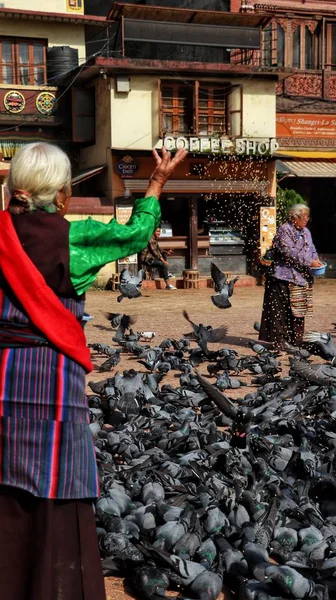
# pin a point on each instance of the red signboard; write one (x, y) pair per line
(305, 125)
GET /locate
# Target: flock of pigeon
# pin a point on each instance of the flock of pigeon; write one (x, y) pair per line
(200, 494)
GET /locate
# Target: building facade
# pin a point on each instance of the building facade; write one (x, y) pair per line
(300, 40)
(189, 77)
(40, 51)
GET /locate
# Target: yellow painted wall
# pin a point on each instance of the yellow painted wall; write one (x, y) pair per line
(106, 272)
(259, 109)
(57, 34)
(135, 122)
(56, 6)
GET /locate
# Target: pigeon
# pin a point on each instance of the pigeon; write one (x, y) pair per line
(195, 484)
(147, 335)
(320, 374)
(114, 318)
(110, 362)
(205, 335)
(125, 323)
(223, 287)
(322, 344)
(130, 285)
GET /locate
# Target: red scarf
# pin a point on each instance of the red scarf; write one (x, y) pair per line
(41, 304)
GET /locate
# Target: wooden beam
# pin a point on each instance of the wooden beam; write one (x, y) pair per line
(193, 226)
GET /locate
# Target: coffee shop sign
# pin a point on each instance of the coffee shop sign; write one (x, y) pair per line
(247, 146)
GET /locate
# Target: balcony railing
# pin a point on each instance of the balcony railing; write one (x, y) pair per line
(185, 42)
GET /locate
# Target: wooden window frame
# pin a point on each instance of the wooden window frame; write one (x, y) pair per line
(211, 113)
(16, 65)
(316, 58)
(195, 129)
(289, 28)
(235, 111)
(175, 111)
(329, 65)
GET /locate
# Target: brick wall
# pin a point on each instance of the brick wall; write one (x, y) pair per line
(235, 5)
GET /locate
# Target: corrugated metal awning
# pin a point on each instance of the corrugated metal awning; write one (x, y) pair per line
(189, 186)
(86, 174)
(309, 168)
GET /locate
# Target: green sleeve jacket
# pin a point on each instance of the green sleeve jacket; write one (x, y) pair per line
(93, 244)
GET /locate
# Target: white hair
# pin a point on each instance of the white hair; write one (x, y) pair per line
(297, 210)
(38, 171)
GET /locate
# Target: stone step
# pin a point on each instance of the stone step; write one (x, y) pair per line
(204, 282)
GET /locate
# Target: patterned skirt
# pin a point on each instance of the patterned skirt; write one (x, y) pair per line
(278, 323)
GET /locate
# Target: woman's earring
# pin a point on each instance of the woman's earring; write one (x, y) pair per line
(60, 206)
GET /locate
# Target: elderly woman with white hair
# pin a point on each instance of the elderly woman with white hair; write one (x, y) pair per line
(48, 472)
(288, 288)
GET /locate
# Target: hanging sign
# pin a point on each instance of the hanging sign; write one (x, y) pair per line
(306, 125)
(267, 227)
(204, 145)
(127, 167)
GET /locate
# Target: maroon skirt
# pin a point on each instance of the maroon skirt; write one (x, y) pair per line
(49, 549)
(278, 324)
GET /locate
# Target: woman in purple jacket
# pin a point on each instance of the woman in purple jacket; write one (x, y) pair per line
(288, 289)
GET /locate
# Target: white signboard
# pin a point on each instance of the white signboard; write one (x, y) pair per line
(204, 145)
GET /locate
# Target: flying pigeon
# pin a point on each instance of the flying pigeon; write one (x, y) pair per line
(130, 285)
(205, 335)
(223, 287)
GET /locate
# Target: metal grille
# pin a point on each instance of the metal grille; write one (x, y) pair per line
(191, 34)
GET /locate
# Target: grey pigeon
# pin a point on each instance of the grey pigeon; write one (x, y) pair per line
(130, 285)
(322, 343)
(319, 374)
(114, 318)
(205, 335)
(223, 287)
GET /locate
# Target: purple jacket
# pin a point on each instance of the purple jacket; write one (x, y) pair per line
(294, 253)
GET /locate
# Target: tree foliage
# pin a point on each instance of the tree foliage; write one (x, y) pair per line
(285, 200)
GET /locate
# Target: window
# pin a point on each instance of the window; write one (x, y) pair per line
(296, 63)
(299, 49)
(22, 61)
(212, 107)
(198, 108)
(267, 45)
(273, 48)
(177, 108)
(280, 46)
(309, 49)
(305, 48)
(330, 51)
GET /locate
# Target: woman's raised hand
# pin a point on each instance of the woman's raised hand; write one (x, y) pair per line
(166, 165)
